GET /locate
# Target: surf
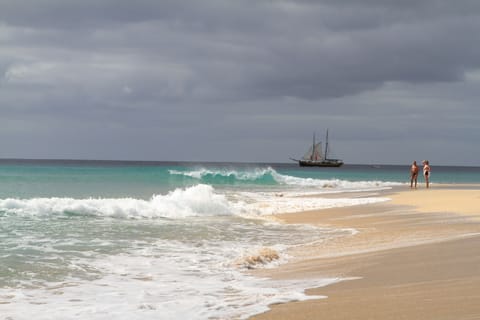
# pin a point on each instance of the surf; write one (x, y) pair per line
(271, 177)
(222, 176)
(199, 200)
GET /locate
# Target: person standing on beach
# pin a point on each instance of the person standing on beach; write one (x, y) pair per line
(413, 174)
(426, 172)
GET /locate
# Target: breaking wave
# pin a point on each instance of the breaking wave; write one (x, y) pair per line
(269, 176)
(199, 200)
(194, 201)
(230, 176)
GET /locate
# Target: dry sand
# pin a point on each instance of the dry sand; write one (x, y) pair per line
(414, 257)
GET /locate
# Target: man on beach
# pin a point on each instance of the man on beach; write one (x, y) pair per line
(413, 174)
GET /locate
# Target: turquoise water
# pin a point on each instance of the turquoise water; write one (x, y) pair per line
(146, 240)
(23, 179)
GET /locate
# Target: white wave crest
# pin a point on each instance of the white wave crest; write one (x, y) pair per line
(194, 201)
(199, 200)
(333, 184)
(255, 174)
(262, 204)
(247, 175)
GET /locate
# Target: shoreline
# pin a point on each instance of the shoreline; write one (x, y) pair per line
(413, 256)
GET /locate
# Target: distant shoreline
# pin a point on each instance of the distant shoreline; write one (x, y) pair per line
(220, 163)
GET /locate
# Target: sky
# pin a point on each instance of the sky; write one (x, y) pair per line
(240, 80)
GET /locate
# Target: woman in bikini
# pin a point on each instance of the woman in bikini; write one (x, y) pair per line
(426, 172)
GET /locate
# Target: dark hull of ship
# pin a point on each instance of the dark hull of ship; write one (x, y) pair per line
(324, 163)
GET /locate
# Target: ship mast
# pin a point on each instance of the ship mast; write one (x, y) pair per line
(313, 148)
(326, 146)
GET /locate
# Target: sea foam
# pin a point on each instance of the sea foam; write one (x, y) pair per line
(246, 175)
(167, 278)
(199, 200)
(271, 176)
(194, 201)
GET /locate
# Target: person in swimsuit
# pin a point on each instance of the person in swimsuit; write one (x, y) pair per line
(426, 172)
(413, 174)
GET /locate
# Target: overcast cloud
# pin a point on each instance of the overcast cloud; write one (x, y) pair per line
(247, 80)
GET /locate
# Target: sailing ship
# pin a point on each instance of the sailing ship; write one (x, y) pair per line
(314, 158)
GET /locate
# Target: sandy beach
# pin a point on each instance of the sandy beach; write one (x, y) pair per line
(416, 256)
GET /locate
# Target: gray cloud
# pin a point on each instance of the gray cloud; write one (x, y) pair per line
(237, 76)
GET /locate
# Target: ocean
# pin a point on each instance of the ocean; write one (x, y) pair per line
(166, 240)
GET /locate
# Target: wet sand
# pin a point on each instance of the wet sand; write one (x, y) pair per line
(414, 257)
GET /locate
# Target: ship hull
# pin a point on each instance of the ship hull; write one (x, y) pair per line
(324, 163)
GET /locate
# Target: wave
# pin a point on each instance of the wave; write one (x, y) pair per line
(198, 200)
(230, 176)
(269, 176)
(261, 204)
(336, 184)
